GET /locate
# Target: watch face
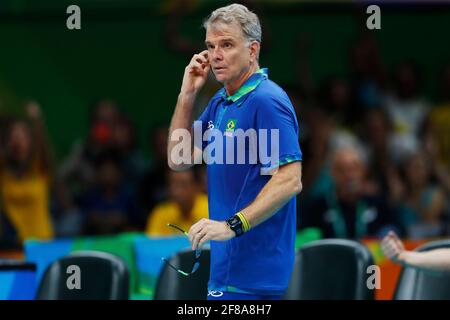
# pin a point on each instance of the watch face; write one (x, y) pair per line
(235, 225)
(234, 220)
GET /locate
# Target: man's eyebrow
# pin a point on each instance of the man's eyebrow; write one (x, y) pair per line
(221, 40)
(227, 39)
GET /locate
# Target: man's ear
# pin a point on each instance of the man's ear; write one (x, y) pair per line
(255, 47)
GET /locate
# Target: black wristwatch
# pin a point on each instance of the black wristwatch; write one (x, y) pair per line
(235, 224)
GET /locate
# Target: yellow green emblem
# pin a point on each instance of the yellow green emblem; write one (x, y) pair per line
(231, 125)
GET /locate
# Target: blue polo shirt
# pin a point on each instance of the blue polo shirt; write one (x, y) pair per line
(260, 261)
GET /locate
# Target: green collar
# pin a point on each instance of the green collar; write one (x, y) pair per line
(248, 86)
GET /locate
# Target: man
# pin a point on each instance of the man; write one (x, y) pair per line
(347, 211)
(251, 216)
(437, 259)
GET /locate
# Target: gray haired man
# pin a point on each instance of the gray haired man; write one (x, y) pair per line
(252, 218)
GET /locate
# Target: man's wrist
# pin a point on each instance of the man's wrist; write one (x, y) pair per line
(229, 229)
(238, 223)
(245, 223)
(187, 96)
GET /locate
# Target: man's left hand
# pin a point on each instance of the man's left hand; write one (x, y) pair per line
(206, 229)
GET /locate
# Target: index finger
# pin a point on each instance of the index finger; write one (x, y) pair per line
(204, 54)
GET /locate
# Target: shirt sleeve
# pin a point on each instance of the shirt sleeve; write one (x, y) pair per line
(277, 116)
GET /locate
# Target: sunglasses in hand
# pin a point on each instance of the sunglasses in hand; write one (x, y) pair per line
(197, 252)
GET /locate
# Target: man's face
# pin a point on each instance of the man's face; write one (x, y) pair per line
(228, 51)
(348, 172)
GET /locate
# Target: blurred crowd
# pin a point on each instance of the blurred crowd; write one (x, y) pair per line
(103, 186)
(376, 157)
(376, 149)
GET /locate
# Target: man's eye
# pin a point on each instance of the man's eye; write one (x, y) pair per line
(228, 45)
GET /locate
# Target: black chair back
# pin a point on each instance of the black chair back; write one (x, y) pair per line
(86, 275)
(331, 269)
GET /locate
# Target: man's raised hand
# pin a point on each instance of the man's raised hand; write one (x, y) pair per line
(196, 73)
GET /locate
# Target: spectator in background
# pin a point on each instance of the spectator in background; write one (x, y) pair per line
(347, 212)
(25, 179)
(186, 206)
(406, 108)
(376, 132)
(124, 141)
(423, 204)
(153, 187)
(108, 206)
(436, 134)
(67, 215)
(76, 175)
(440, 119)
(433, 145)
(367, 74)
(322, 136)
(77, 171)
(335, 97)
(316, 144)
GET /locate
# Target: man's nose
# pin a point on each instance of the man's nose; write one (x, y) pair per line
(217, 54)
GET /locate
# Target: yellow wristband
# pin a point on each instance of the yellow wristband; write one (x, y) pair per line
(245, 223)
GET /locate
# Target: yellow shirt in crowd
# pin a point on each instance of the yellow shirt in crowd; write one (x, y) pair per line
(25, 200)
(169, 212)
(440, 118)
